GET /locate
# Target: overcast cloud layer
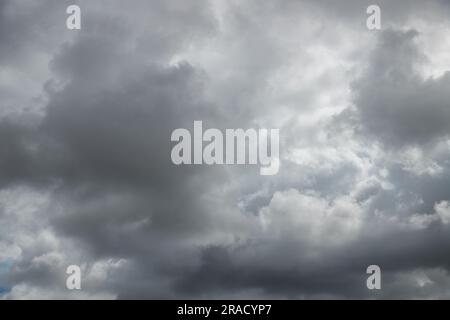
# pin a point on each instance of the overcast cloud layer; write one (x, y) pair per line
(86, 176)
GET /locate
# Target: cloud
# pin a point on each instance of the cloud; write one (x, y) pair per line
(85, 169)
(394, 103)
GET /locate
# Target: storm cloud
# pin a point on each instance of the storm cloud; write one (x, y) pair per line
(86, 176)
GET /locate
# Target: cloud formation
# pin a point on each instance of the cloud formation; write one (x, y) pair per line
(85, 170)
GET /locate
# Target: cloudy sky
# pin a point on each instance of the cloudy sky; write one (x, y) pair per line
(86, 176)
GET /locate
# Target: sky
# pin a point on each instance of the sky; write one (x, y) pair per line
(86, 176)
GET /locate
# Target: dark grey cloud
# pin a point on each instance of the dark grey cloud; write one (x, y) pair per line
(85, 169)
(394, 103)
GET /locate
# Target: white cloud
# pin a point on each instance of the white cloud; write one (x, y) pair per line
(312, 218)
(443, 211)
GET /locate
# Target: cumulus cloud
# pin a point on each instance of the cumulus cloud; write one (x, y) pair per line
(85, 170)
(394, 103)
